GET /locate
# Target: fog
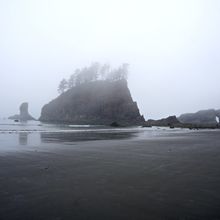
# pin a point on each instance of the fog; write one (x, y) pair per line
(173, 49)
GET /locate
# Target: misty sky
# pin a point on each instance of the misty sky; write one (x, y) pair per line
(173, 48)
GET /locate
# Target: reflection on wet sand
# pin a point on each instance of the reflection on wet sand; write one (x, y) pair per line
(23, 138)
(84, 136)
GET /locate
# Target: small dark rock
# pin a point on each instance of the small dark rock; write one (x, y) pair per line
(114, 124)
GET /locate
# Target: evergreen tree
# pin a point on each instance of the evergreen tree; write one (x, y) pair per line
(62, 86)
(93, 73)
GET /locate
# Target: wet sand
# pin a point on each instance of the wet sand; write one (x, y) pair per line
(171, 177)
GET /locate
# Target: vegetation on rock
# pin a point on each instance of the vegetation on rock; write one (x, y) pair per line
(94, 72)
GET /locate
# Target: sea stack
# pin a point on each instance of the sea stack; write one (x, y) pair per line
(100, 102)
(24, 114)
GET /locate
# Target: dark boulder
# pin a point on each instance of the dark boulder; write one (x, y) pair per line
(114, 124)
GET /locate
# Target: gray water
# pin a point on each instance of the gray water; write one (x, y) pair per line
(33, 133)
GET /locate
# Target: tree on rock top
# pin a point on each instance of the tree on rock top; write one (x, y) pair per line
(94, 72)
(62, 86)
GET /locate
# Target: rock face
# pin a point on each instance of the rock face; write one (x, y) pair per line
(99, 102)
(24, 114)
(201, 117)
(171, 121)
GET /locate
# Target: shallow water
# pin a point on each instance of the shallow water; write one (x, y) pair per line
(15, 135)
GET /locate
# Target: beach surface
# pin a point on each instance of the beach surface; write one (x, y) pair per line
(174, 175)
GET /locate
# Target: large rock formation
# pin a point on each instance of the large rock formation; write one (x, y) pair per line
(24, 114)
(203, 117)
(99, 102)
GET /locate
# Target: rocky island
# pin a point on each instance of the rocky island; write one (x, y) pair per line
(94, 95)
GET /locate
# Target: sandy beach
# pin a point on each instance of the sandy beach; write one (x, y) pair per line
(176, 176)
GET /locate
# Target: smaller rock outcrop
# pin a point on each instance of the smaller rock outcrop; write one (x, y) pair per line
(203, 117)
(24, 114)
(171, 121)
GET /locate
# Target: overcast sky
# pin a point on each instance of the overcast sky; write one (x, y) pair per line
(173, 48)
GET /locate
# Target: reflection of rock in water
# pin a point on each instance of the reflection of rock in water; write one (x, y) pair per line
(84, 136)
(23, 138)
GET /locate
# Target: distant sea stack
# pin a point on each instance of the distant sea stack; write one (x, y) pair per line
(203, 117)
(99, 102)
(24, 114)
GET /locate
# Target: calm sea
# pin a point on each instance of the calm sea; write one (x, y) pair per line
(34, 133)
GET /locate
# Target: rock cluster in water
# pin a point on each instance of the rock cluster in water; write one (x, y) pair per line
(170, 121)
(203, 117)
(99, 102)
(24, 114)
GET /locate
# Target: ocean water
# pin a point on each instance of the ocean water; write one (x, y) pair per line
(34, 133)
